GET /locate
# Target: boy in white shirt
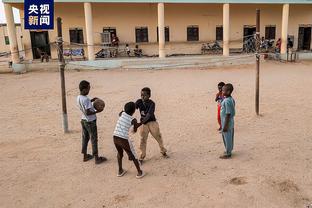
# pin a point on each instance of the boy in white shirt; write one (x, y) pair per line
(88, 123)
(122, 141)
(127, 49)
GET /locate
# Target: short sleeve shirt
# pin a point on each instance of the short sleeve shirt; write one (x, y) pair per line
(123, 126)
(228, 107)
(84, 103)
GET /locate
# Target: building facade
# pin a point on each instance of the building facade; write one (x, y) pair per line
(169, 27)
(4, 37)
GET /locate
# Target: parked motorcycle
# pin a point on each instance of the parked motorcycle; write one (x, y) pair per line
(211, 47)
(267, 45)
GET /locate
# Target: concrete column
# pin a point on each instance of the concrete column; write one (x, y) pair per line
(226, 29)
(89, 30)
(285, 28)
(12, 33)
(19, 35)
(161, 30)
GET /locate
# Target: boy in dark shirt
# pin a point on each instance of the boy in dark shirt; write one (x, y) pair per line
(150, 125)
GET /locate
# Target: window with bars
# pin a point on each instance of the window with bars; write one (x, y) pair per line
(192, 33)
(167, 34)
(111, 30)
(219, 33)
(107, 35)
(141, 34)
(270, 32)
(76, 35)
(6, 40)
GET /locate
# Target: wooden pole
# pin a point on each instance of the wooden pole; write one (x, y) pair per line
(257, 60)
(62, 75)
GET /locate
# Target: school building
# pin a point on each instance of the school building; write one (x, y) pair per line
(4, 37)
(166, 27)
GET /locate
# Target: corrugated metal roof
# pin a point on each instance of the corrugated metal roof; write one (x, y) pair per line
(183, 1)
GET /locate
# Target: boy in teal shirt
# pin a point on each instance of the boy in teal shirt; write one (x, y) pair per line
(227, 120)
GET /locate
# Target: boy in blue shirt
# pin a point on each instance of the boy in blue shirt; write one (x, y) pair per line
(227, 120)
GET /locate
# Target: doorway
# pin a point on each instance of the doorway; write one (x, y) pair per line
(40, 43)
(248, 39)
(249, 31)
(304, 38)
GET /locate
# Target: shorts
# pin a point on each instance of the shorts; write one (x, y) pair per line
(124, 145)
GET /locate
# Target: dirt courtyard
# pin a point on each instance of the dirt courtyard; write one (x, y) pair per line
(271, 166)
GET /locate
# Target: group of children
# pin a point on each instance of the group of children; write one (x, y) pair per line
(225, 115)
(137, 51)
(148, 124)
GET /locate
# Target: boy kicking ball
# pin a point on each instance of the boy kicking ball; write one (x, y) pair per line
(227, 120)
(121, 139)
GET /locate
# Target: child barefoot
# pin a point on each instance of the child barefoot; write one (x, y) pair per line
(227, 120)
(219, 99)
(121, 139)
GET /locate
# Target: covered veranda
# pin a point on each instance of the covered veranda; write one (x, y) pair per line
(89, 21)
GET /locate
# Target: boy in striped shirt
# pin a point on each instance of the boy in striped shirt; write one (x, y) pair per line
(122, 141)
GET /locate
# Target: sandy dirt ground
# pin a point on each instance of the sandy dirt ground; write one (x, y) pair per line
(271, 166)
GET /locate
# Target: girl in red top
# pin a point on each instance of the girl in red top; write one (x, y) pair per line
(219, 99)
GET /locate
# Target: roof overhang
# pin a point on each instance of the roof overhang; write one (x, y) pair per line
(181, 1)
(5, 24)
